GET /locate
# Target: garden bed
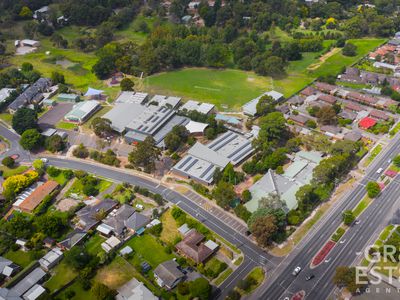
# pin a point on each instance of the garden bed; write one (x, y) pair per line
(323, 253)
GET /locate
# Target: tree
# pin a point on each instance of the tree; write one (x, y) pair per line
(246, 196)
(348, 217)
(127, 84)
(26, 67)
(346, 277)
(51, 225)
(78, 258)
(273, 127)
(326, 116)
(373, 189)
(265, 105)
(102, 292)
(57, 77)
(31, 139)
(396, 160)
(101, 127)
(274, 67)
(271, 201)
(263, 229)
(8, 162)
(25, 12)
(54, 143)
(81, 151)
(224, 194)
(349, 49)
(24, 119)
(145, 155)
(200, 288)
(39, 165)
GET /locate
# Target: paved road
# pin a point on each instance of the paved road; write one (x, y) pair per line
(281, 283)
(15, 148)
(253, 255)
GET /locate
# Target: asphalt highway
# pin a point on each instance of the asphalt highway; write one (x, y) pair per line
(281, 283)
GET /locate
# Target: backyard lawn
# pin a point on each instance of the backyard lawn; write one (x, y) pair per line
(66, 125)
(145, 246)
(170, 229)
(116, 274)
(19, 257)
(93, 245)
(80, 293)
(77, 187)
(63, 274)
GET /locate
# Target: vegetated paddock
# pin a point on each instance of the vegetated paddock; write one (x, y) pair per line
(235, 87)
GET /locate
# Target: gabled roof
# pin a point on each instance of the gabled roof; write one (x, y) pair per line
(87, 215)
(37, 196)
(168, 272)
(73, 238)
(193, 247)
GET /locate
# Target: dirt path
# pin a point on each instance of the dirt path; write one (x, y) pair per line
(322, 59)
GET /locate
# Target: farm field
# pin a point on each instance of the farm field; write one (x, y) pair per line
(235, 87)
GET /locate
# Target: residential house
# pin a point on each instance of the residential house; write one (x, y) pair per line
(134, 290)
(5, 93)
(7, 268)
(33, 200)
(193, 247)
(299, 119)
(379, 115)
(354, 107)
(326, 88)
(362, 98)
(332, 131)
(347, 114)
(284, 109)
(367, 123)
(30, 280)
(31, 95)
(353, 136)
(89, 215)
(168, 274)
(125, 219)
(308, 91)
(295, 100)
(73, 238)
(329, 99)
(51, 258)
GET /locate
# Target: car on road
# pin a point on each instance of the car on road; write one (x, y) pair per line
(342, 241)
(296, 271)
(389, 161)
(45, 160)
(379, 171)
(309, 277)
(357, 222)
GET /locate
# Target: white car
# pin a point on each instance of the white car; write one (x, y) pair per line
(379, 171)
(296, 271)
(45, 160)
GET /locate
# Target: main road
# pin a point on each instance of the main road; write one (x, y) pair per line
(281, 283)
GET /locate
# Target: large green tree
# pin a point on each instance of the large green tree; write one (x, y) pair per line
(31, 139)
(24, 119)
(224, 194)
(145, 155)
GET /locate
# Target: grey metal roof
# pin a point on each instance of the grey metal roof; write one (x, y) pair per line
(32, 93)
(131, 97)
(28, 281)
(168, 272)
(250, 108)
(166, 101)
(7, 294)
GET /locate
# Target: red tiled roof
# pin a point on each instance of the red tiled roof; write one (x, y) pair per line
(379, 114)
(327, 98)
(308, 91)
(37, 196)
(367, 123)
(325, 86)
(193, 247)
(354, 107)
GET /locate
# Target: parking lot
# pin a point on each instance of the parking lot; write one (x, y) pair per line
(219, 213)
(54, 115)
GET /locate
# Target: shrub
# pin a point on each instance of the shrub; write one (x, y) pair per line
(246, 196)
(183, 288)
(8, 162)
(81, 151)
(53, 171)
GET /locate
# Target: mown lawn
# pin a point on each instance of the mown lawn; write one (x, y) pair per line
(7, 172)
(6, 117)
(170, 229)
(77, 187)
(147, 248)
(93, 245)
(229, 87)
(235, 87)
(66, 125)
(361, 206)
(80, 293)
(63, 274)
(20, 257)
(60, 178)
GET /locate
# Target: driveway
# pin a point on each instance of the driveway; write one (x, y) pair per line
(54, 115)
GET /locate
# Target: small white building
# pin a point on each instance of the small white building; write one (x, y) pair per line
(203, 108)
(110, 244)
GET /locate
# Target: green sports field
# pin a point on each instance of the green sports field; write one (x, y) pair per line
(232, 88)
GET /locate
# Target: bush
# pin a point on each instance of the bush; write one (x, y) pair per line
(68, 174)
(81, 151)
(246, 196)
(53, 171)
(293, 217)
(90, 190)
(183, 288)
(8, 162)
(156, 230)
(176, 212)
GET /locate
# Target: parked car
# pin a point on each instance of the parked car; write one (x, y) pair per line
(296, 271)
(310, 276)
